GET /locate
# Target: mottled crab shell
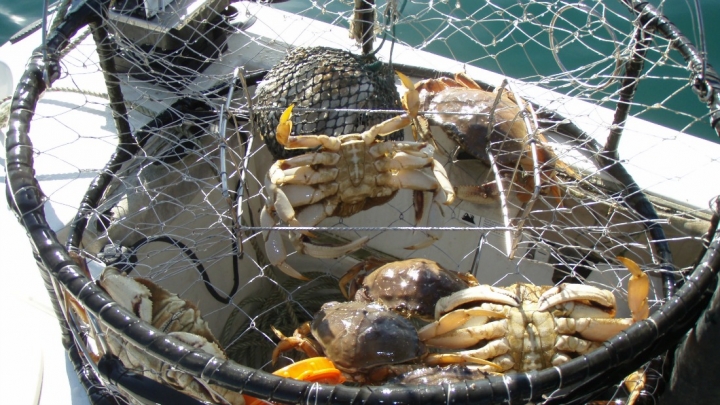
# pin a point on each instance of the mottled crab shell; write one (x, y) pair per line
(470, 130)
(326, 79)
(411, 287)
(359, 336)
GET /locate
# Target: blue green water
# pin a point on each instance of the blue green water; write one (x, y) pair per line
(678, 109)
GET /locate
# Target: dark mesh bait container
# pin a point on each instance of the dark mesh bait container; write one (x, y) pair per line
(332, 84)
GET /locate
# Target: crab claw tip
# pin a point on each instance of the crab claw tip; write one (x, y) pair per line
(406, 82)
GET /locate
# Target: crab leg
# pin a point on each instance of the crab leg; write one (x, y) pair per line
(408, 179)
(298, 195)
(602, 302)
(411, 98)
(274, 247)
(444, 182)
(638, 290)
(428, 213)
(299, 341)
(402, 161)
(595, 329)
(479, 293)
(306, 175)
(574, 344)
(441, 359)
(309, 159)
(491, 350)
(484, 194)
(454, 320)
(385, 128)
(383, 148)
(284, 128)
(447, 332)
(330, 252)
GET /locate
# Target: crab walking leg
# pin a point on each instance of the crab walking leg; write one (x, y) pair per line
(444, 359)
(484, 194)
(284, 128)
(444, 182)
(385, 128)
(467, 336)
(308, 159)
(384, 148)
(401, 161)
(298, 195)
(638, 290)
(331, 252)
(299, 169)
(428, 213)
(274, 247)
(407, 179)
(305, 175)
(312, 215)
(468, 318)
(596, 329)
(575, 345)
(603, 301)
(472, 294)
(298, 341)
(479, 356)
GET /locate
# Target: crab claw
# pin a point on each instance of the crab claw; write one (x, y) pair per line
(638, 290)
(411, 98)
(284, 128)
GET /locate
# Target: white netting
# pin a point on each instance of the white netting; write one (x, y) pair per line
(185, 210)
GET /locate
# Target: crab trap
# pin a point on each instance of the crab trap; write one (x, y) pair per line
(456, 202)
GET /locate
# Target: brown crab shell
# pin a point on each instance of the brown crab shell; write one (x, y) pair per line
(470, 130)
(360, 336)
(410, 287)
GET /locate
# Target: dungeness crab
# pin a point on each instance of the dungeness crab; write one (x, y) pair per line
(366, 341)
(509, 141)
(409, 287)
(525, 327)
(348, 174)
(177, 317)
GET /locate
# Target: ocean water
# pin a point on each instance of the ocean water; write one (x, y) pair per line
(14, 15)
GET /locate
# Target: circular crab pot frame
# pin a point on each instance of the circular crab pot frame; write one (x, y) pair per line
(187, 187)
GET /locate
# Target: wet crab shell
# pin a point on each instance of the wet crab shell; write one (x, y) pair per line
(411, 287)
(470, 130)
(359, 336)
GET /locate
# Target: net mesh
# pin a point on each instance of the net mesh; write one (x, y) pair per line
(536, 200)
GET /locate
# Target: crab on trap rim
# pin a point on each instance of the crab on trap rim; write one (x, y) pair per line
(614, 359)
